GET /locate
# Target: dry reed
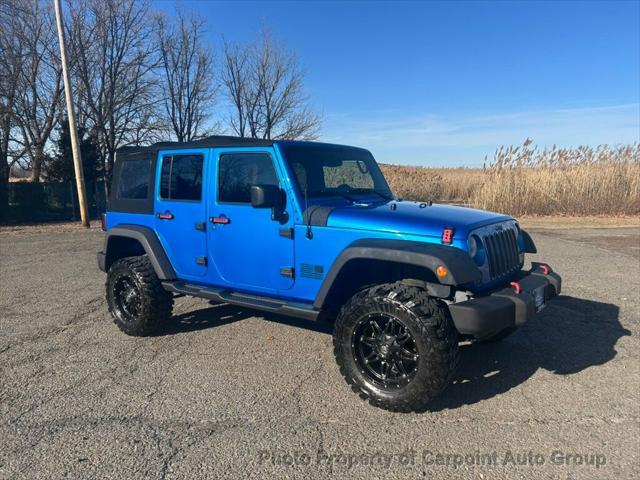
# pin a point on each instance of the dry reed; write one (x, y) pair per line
(525, 180)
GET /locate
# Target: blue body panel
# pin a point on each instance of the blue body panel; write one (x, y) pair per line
(334, 241)
(118, 218)
(247, 254)
(412, 218)
(182, 242)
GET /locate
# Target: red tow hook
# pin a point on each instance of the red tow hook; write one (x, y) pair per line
(544, 268)
(516, 287)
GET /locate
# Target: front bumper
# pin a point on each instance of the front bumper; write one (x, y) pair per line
(484, 316)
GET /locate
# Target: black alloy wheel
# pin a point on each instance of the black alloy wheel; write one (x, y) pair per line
(127, 302)
(385, 350)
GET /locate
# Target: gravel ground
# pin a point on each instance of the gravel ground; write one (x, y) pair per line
(222, 392)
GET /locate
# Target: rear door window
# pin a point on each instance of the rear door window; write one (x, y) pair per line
(181, 177)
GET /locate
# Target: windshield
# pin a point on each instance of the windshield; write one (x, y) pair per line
(324, 171)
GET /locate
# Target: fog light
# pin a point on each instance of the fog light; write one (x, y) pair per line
(441, 271)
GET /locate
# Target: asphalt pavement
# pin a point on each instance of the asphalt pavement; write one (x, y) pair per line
(223, 392)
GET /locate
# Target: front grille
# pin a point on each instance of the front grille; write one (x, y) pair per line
(502, 252)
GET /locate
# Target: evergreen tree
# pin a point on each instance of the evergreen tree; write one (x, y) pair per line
(60, 165)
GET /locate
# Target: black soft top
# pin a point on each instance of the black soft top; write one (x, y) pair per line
(150, 153)
(208, 142)
(217, 141)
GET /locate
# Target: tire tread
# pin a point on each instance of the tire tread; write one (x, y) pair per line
(437, 330)
(157, 302)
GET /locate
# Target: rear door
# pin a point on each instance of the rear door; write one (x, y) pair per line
(250, 250)
(180, 210)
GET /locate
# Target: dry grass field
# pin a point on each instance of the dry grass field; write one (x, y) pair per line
(527, 181)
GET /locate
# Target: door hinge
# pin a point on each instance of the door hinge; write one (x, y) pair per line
(286, 272)
(286, 232)
(201, 261)
(201, 226)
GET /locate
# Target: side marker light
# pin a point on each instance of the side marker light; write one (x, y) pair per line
(442, 271)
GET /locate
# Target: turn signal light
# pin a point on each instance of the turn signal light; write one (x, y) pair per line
(441, 271)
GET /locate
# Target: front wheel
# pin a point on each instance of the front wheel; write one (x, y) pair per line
(396, 346)
(135, 296)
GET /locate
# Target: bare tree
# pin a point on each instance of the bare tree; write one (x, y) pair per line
(37, 81)
(10, 67)
(114, 61)
(235, 83)
(187, 75)
(283, 110)
(265, 85)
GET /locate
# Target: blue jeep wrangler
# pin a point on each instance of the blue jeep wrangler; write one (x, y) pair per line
(313, 231)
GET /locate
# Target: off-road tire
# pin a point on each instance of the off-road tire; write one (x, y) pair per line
(427, 319)
(155, 303)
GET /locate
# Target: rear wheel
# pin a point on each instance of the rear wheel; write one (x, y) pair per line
(135, 296)
(396, 346)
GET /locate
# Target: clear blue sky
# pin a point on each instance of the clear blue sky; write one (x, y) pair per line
(445, 83)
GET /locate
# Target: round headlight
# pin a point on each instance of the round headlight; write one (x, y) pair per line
(473, 246)
(476, 250)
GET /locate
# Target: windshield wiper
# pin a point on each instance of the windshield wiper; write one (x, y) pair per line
(382, 195)
(333, 192)
(347, 196)
(368, 190)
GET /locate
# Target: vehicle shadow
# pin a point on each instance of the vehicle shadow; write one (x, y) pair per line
(570, 335)
(210, 317)
(221, 314)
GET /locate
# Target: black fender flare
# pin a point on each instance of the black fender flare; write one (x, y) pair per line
(461, 268)
(150, 243)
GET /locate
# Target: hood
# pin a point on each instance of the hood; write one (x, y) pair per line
(412, 218)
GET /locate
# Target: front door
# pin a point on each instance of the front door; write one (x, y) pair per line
(250, 250)
(180, 211)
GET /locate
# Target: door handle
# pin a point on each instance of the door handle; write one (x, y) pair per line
(165, 216)
(222, 220)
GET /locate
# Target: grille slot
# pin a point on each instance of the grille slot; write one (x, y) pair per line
(502, 252)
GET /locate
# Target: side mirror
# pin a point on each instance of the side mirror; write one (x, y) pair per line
(270, 196)
(266, 196)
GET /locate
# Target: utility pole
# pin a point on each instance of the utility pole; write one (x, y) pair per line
(75, 144)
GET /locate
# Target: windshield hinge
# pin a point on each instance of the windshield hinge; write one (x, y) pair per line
(286, 232)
